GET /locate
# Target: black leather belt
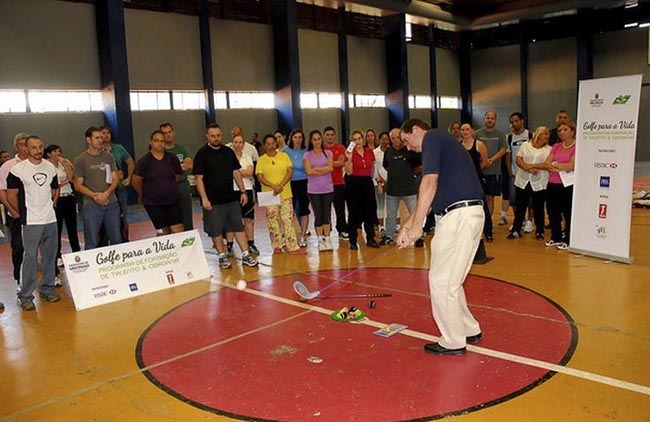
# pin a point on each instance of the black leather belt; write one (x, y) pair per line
(461, 204)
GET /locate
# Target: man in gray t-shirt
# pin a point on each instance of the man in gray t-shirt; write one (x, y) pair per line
(496, 144)
(96, 178)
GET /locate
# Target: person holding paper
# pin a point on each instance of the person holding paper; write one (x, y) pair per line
(274, 170)
(559, 191)
(247, 210)
(96, 178)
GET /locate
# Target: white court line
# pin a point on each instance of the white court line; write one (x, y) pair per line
(589, 376)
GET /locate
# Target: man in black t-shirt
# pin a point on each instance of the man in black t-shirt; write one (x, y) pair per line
(451, 184)
(215, 168)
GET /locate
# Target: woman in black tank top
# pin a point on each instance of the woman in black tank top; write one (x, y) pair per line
(478, 152)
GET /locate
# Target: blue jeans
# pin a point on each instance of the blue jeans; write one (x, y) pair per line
(94, 216)
(392, 210)
(123, 199)
(43, 238)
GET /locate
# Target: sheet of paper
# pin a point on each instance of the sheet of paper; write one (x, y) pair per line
(568, 178)
(266, 199)
(109, 174)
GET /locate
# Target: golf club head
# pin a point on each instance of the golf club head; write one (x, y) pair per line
(303, 292)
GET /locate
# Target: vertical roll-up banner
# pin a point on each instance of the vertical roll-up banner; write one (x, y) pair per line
(608, 112)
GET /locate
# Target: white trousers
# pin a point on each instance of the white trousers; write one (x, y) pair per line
(453, 248)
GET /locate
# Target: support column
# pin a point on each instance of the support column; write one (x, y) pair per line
(287, 65)
(114, 71)
(585, 47)
(344, 79)
(206, 63)
(433, 76)
(397, 70)
(523, 71)
(465, 64)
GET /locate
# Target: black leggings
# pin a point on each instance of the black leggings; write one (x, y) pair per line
(559, 202)
(322, 206)
(362, 206)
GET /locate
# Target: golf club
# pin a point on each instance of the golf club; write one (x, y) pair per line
(304, 292)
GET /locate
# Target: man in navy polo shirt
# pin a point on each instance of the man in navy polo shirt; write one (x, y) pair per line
(451, 187)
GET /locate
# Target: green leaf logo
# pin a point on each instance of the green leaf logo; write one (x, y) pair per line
(187, 242)
(622, 99)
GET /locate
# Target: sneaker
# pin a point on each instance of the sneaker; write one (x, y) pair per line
(562, 246)
(419, 243)
(344, 235)
(59, 262)
(49, 297)
(387, 240)
(229, 251)
(58, 282)
(252, 249)
(513, 235)
(539, 236)
(489, 238)
(302, 242)
(277, 251)
(502, 221)
(321, 245)
(328, 244)
(298, 251)
(224, 261)
(550, 243)
(248, 260)
(27, 304)
(528, 226)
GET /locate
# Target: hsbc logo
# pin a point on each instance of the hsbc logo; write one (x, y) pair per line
(603, 165)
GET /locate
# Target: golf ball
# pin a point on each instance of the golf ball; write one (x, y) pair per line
(241, 284)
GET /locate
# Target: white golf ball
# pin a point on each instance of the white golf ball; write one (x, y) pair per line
(241, 284)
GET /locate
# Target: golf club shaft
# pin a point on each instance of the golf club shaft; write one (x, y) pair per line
(370, 295)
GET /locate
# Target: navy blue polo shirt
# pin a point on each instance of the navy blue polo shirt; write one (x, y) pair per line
(457, 178)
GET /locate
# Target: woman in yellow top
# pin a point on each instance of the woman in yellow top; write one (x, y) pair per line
(274, 170)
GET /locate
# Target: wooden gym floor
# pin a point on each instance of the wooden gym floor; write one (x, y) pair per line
(566, 337)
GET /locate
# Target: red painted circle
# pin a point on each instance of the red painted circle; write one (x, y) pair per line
(250, 357)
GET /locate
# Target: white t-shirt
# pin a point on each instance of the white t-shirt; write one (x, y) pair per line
(250, 150)
(245, 161)
(34, 183)
(532, 155)
(62, 175)
(515, 141)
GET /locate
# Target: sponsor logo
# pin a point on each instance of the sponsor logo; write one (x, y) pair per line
(596, 101)
(605, 165)
(133, 287)
(104, 286)
(603, 196)
(622, 99)
(605, 182)
(602, 211)
(601, 231)
(170, 279)
(188, 242)
(606, 150)
(40, 178)
(78, 266)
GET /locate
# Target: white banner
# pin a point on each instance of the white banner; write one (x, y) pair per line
(608, 112)
(104, 275)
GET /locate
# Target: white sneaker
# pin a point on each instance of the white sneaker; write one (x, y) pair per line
(321, 245)
(528, 226)
(302, 242)
(59, 262)
(502, 221)
(58, 282)
(328, 244)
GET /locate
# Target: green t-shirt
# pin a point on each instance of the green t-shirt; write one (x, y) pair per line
(121, 156)
(182, 153)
